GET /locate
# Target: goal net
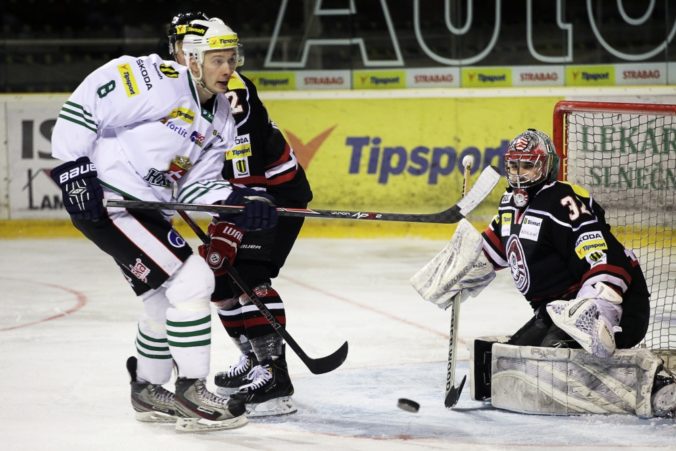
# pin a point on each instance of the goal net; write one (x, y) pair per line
(625, 155)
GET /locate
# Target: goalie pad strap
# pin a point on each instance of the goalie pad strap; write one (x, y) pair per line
(559, 381)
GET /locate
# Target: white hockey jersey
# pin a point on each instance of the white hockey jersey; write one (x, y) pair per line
(139, 120)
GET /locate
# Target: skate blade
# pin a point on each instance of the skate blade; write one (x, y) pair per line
(202, 424)
(155, 417)
(226, 391)
(277, 406)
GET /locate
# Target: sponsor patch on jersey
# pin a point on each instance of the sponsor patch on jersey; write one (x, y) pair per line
(168, 70)
(185, 114)
(197, 138)
(175, 239)
(128, 79)
(589, 242)
(157, 178)
(140, 271)
(530, 228)
(241, 149)
(596, 258)
(240, 168)
(506, 221)
(506, 199)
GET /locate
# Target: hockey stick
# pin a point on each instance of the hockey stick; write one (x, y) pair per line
(453, 391)
(316, 366)
(484, 185)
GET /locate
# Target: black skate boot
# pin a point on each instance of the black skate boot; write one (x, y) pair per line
(198, 409)
(269, 392)
(152, 402)
(228, 382)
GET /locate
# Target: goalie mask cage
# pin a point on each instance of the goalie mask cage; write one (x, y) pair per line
(625, 155)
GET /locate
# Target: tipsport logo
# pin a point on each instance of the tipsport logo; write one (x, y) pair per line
(384, 160)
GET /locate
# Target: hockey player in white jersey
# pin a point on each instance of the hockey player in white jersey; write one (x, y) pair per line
(267, 163)
(148, 129)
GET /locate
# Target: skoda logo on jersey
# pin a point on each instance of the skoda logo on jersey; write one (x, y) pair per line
(175, 239)
(517, 264)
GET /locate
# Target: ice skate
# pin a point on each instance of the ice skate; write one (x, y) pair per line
(269, 392)
(152, 402)
(664, 396)
(198, 409)
(229, 382)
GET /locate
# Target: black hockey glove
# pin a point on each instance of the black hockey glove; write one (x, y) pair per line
(81, 190)
(259, 209)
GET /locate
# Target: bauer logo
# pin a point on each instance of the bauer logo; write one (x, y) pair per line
(128, 79)
(590, 242)
(384, 160)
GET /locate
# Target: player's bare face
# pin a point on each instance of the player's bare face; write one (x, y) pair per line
(218, 68)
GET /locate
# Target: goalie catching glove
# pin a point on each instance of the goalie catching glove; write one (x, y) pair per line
(591, 319)
(225, 240)
(460, 270)
(80, 189)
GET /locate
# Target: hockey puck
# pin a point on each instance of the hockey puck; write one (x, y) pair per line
(408, 405)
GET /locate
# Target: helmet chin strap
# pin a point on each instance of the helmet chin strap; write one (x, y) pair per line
(200, 81)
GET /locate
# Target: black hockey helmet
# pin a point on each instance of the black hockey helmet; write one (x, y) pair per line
(178, 25)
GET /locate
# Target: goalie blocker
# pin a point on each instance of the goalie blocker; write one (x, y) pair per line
(563, 381)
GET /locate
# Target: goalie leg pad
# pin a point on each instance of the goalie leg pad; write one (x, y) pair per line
(480, 367)
(529, 379)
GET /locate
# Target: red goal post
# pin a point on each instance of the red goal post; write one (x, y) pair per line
(625, 155)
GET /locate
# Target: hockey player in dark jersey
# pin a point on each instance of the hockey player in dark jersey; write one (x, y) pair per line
(262, 160)
(563, 257)
(586, 290)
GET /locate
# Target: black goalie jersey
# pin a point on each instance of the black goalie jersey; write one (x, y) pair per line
(261, 157)
(560, 242)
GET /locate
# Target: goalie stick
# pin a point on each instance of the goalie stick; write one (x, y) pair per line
(484, 185)
(316, 366)
(453, 391)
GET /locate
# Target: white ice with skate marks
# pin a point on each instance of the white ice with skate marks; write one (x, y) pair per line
(68, 324)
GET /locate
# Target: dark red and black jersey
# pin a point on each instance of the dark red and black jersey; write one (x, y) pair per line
(262, 158)
(557, 243)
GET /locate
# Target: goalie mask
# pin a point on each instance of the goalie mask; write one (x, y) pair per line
(530, 160)
(178, 26)
(202, 36)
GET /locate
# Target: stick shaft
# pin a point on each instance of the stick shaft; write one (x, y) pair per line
(487, 180)
(316, 366)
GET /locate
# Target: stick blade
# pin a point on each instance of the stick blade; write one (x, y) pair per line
(453, 395)
(329, 363)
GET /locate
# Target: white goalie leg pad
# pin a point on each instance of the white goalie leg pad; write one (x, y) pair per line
(189, 317)
(592, 319)
(460, 269)
(152, 349)
(559, 381)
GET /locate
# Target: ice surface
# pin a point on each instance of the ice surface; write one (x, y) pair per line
(68, 323)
